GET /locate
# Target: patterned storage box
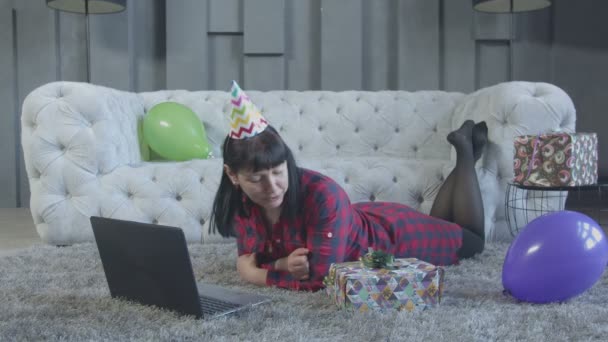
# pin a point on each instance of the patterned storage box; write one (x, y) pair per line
(555, 159)
(410, 285)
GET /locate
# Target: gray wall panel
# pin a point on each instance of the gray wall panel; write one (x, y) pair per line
(148, 45)
(226, 54)
(458, 46)
(327, 44)
(341, 46)
(264, 26)
(379, 54)
(264, 72)
(302, 46)
(580, 65)
(72, 31)
(492, 26)
(110, 51)
(532, 46)
(418, 44)
(225, 16)
(9, 114)
(493, 62)
(186, 55)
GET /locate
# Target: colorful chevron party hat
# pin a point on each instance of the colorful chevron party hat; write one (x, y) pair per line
(246, 120)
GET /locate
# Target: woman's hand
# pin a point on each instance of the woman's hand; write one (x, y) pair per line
(249, 270)
(297, 264)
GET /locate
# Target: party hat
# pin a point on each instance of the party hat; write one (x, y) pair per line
(246, 120)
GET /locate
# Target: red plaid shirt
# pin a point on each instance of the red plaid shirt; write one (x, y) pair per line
(334, 230)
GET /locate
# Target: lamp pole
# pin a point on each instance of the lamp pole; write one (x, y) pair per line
(87, 39)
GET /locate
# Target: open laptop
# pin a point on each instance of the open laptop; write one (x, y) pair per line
(150, 264)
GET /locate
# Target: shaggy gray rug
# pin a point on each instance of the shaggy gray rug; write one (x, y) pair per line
(49, 293)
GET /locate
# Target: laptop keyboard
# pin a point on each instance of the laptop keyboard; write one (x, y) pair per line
(211, 306)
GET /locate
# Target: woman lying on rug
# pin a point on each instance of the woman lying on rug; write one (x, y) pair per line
(292, 223)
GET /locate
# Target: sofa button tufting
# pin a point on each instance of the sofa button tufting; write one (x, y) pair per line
(397, 130)
(201, 180)
(320, 128)
(300, 147)
(415, 148)
(154, 179)
(155, 221)
(201, 221)
(301, 111)
(394, 179)
(346, 180)
(281, 128)
(339, 110)
(178, 198)
(420, 199)
(372, 197)
(337, 147)
(375, 147)
(356, 129)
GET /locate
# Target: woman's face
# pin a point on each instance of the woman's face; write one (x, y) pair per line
(266, 188)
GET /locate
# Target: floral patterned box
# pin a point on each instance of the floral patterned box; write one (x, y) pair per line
(409, 285)
(555, 159)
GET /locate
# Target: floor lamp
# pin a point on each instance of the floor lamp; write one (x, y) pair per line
(510, 6)
(87, 7)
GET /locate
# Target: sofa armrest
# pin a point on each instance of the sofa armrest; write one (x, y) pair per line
(510, 109)
(71, 134)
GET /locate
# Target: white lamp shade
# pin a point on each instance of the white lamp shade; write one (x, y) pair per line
(94, 6)
(504, 6)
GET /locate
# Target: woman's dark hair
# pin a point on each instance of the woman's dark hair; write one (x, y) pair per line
(260, 152)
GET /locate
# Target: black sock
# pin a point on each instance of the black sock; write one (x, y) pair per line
(480, 138)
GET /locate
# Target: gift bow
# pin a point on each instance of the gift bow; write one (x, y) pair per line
(377, 259)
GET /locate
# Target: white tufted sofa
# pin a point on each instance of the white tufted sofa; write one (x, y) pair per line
(82, 154)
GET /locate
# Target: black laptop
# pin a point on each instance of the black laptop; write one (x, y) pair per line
(150, 264)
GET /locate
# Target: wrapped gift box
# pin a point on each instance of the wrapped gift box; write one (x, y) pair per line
(409, 285)
(555, 159)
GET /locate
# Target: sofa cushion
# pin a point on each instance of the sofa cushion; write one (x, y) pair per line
(181, 194)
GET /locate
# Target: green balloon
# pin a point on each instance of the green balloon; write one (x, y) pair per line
(144, 149)
(174, 132)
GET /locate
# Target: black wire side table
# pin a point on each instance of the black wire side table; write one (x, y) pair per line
(523, 203)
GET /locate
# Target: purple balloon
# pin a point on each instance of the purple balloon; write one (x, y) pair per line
(555, 257)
